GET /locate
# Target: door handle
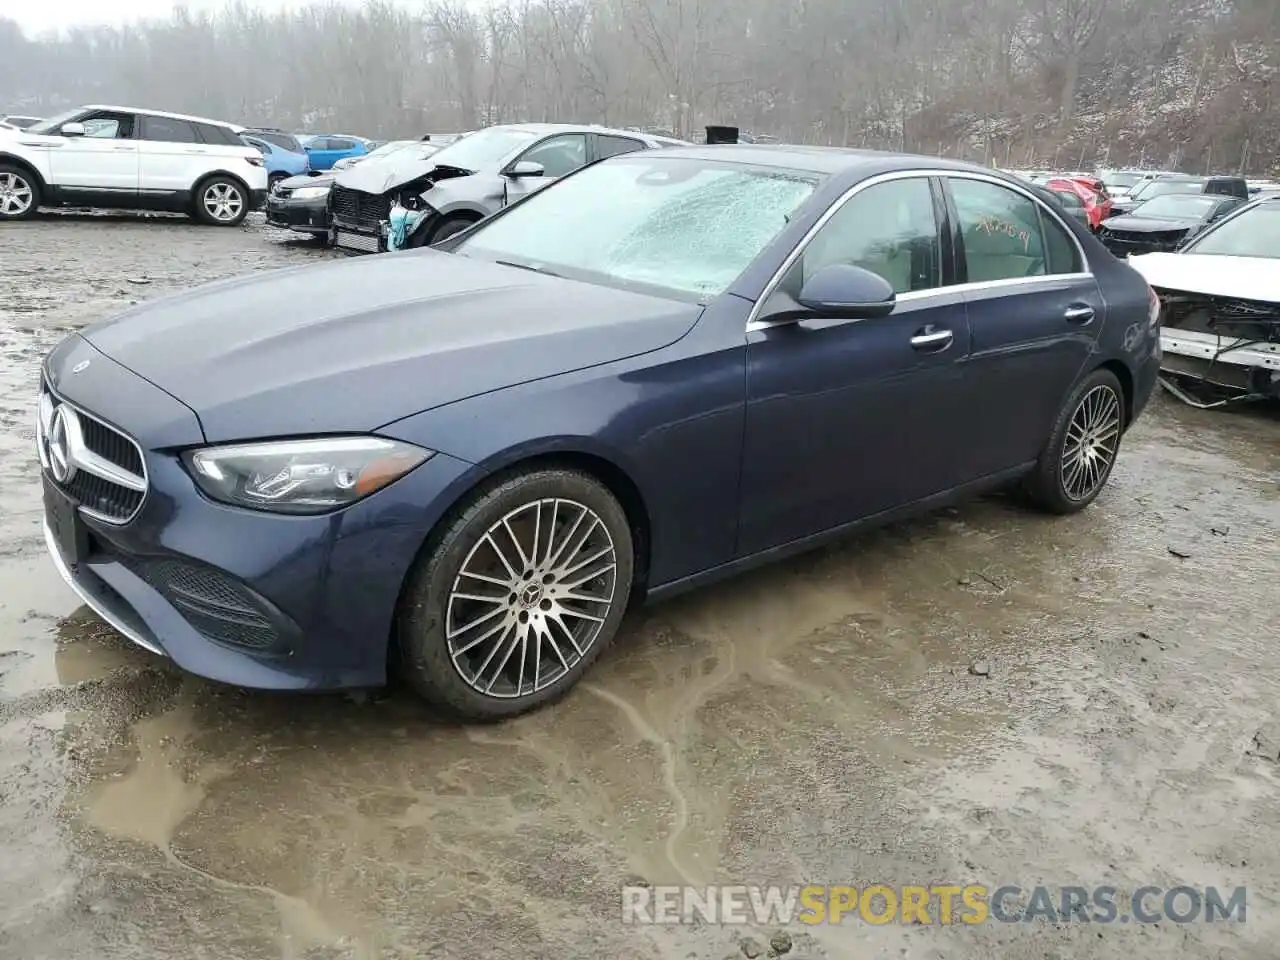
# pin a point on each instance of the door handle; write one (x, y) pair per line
(932, 341)
(1079, 313)
(196, 150)
(125, 147)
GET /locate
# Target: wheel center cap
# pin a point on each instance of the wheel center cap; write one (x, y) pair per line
(530, 595)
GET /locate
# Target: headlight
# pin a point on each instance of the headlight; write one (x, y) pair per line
(301, 476)
(310, 193)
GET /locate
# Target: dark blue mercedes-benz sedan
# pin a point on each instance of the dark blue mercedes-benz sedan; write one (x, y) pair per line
(663, 369)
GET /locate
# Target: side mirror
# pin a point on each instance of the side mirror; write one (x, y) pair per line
(849, 292)
(72, 129)
(527, 168)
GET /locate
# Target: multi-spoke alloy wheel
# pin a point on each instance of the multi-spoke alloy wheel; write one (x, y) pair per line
(1093, 437)
(18, 197)
(222, 202)
(518, 593)
(531, 597)
(1081, 450)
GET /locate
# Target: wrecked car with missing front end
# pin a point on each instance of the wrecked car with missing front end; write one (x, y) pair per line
(1220, 309)
(414, 202)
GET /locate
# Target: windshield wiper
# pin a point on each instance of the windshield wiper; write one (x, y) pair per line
(528, 266)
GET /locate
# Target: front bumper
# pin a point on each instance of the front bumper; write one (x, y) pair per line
(1124, 248)
(358, 236)
(202, 583)
(1221, 351)
(305, 216)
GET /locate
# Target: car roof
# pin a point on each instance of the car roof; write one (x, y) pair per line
(544, 129)
(825, 160)
(163, 113)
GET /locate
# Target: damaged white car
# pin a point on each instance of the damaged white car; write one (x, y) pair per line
(412, 201)
(1220, 309)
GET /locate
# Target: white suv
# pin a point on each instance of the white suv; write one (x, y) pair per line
(123, 158)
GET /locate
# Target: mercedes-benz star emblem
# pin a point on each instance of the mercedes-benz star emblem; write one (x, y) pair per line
(59, 448)
(81, 366)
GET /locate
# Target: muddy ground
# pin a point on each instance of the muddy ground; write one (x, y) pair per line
(818, 722)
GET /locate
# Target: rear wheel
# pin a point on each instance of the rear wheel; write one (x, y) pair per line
(221, 202)
(276, 178)
(19, 193)
(511, 604)
(1077, 461)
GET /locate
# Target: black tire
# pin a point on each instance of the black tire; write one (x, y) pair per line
(18, 186)
(227, 187)
(422, 624)
(451, 226)
(1050, 485)
(274, 179)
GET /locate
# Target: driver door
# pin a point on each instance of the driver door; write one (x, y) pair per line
(848, 418)
(102, 165)
(559, 156)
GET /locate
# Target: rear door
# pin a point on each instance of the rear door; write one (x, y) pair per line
(173, 156)
(606, 145)
(1035, 312)
(101, 166)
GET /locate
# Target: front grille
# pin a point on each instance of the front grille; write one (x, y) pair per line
(361, 209)
(104, 498)
(95, 464)
(214, 603)
(111, 445)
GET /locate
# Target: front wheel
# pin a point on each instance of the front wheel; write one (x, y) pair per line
(510, 605)
(19, 193)
(221, 202)
(449, 227)
(1077, 461)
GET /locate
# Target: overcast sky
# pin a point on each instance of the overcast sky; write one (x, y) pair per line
(38, 16)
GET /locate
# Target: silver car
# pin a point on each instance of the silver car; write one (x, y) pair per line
(467, 180)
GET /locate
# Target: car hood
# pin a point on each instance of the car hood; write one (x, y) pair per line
(1148, 224)
(308, 180)
(381, 174)
(1249, 278)
(352, 345)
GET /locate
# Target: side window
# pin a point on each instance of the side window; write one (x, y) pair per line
(338, 143)
(210, 133)
(889, 229)
(611, 146)
(559, 155)
(1069, 200)
(168, 130)
(258, 145)
(108, 126)
(1002, 232)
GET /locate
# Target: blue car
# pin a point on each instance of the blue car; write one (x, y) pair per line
(281, 163)
(326, 149)
(668, 367)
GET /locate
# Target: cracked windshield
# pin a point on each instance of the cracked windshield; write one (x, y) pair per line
(689, 226)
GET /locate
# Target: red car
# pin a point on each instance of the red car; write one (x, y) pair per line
(1091, 194)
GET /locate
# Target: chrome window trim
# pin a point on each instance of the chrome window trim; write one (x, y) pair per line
(90, 462)
(754, 323)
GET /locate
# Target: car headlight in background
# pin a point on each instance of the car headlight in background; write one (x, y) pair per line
(310, 193)
(301, 476)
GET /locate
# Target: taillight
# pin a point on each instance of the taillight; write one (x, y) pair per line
(253, 161)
